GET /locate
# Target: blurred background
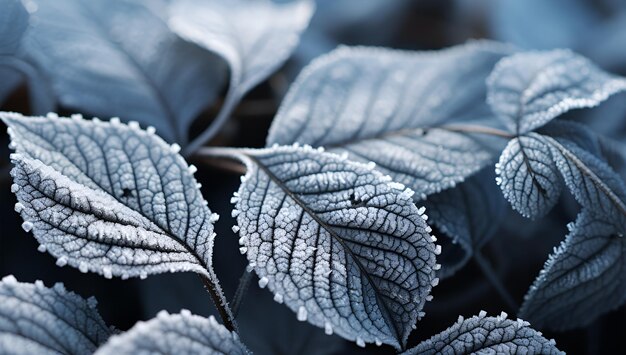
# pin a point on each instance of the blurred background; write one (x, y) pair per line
(593, 28)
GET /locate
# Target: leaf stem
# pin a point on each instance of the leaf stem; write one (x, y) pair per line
(469, 128)
(221, 162)
(244, 284)
(229, 105)
(217, 295)
(493, 279)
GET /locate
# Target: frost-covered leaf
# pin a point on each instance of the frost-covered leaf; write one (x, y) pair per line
(527, 90)
(109, 198)
(255, 37)
(13, 23)
(487, 335)
(385, 106)
(528, 176)
(468, 215)
(584, 277)
(35, 319)
(181, 333)
(336, 241)
(120, 59)
(594, 184)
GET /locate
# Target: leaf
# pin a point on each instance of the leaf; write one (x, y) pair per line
(254, 37)
(13, 23)
(41, 320)
(468, 215)
(487, 335)
(594, 184)
(584, 277)
(109, 198)
(182, 333)
(528, 176)
(527, 90)
(390, 117)
(336, 241)
(120, 59)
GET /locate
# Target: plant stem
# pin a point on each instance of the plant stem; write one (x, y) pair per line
(487, 270)
(216, 293)
(230, 102)
(244, 283)
(222, 163)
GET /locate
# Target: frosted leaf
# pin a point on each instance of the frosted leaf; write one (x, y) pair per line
(582, 279)
(487, 335)
(389, 107)
(41, 320)
(594, 184)
(468, 216)
(182, 333)
(121, 59)
(528, 175)
(255, 37)
(109, 199)
(527, 90)
(335, 241)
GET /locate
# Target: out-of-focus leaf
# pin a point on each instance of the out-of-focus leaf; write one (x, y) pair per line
(254, 37)
(527, 90)
(528, 176)
(120, 59)
(336, 241)
(40, 320)
(584, 277)
(487, 335)
(182, 333)
(389, 106)
(468, 214)
(13, 23)
(110, 198)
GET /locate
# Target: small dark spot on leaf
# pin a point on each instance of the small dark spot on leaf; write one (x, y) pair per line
(356, 203)
(126, 192)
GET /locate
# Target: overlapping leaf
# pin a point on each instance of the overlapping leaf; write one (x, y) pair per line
(254, 37)
(487, 335)
(335, 241)
(120, 59)
(468, 215)
(528, 176)
(13, 23)
(182, 333)
(35, 319)
(388, 106)
(583, 278)
(109, 198)
(527, 90)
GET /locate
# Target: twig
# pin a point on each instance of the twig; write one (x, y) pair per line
(217, 295)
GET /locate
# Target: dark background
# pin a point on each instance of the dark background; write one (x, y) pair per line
(517, 252)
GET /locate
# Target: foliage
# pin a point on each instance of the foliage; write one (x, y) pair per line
(331, 214)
